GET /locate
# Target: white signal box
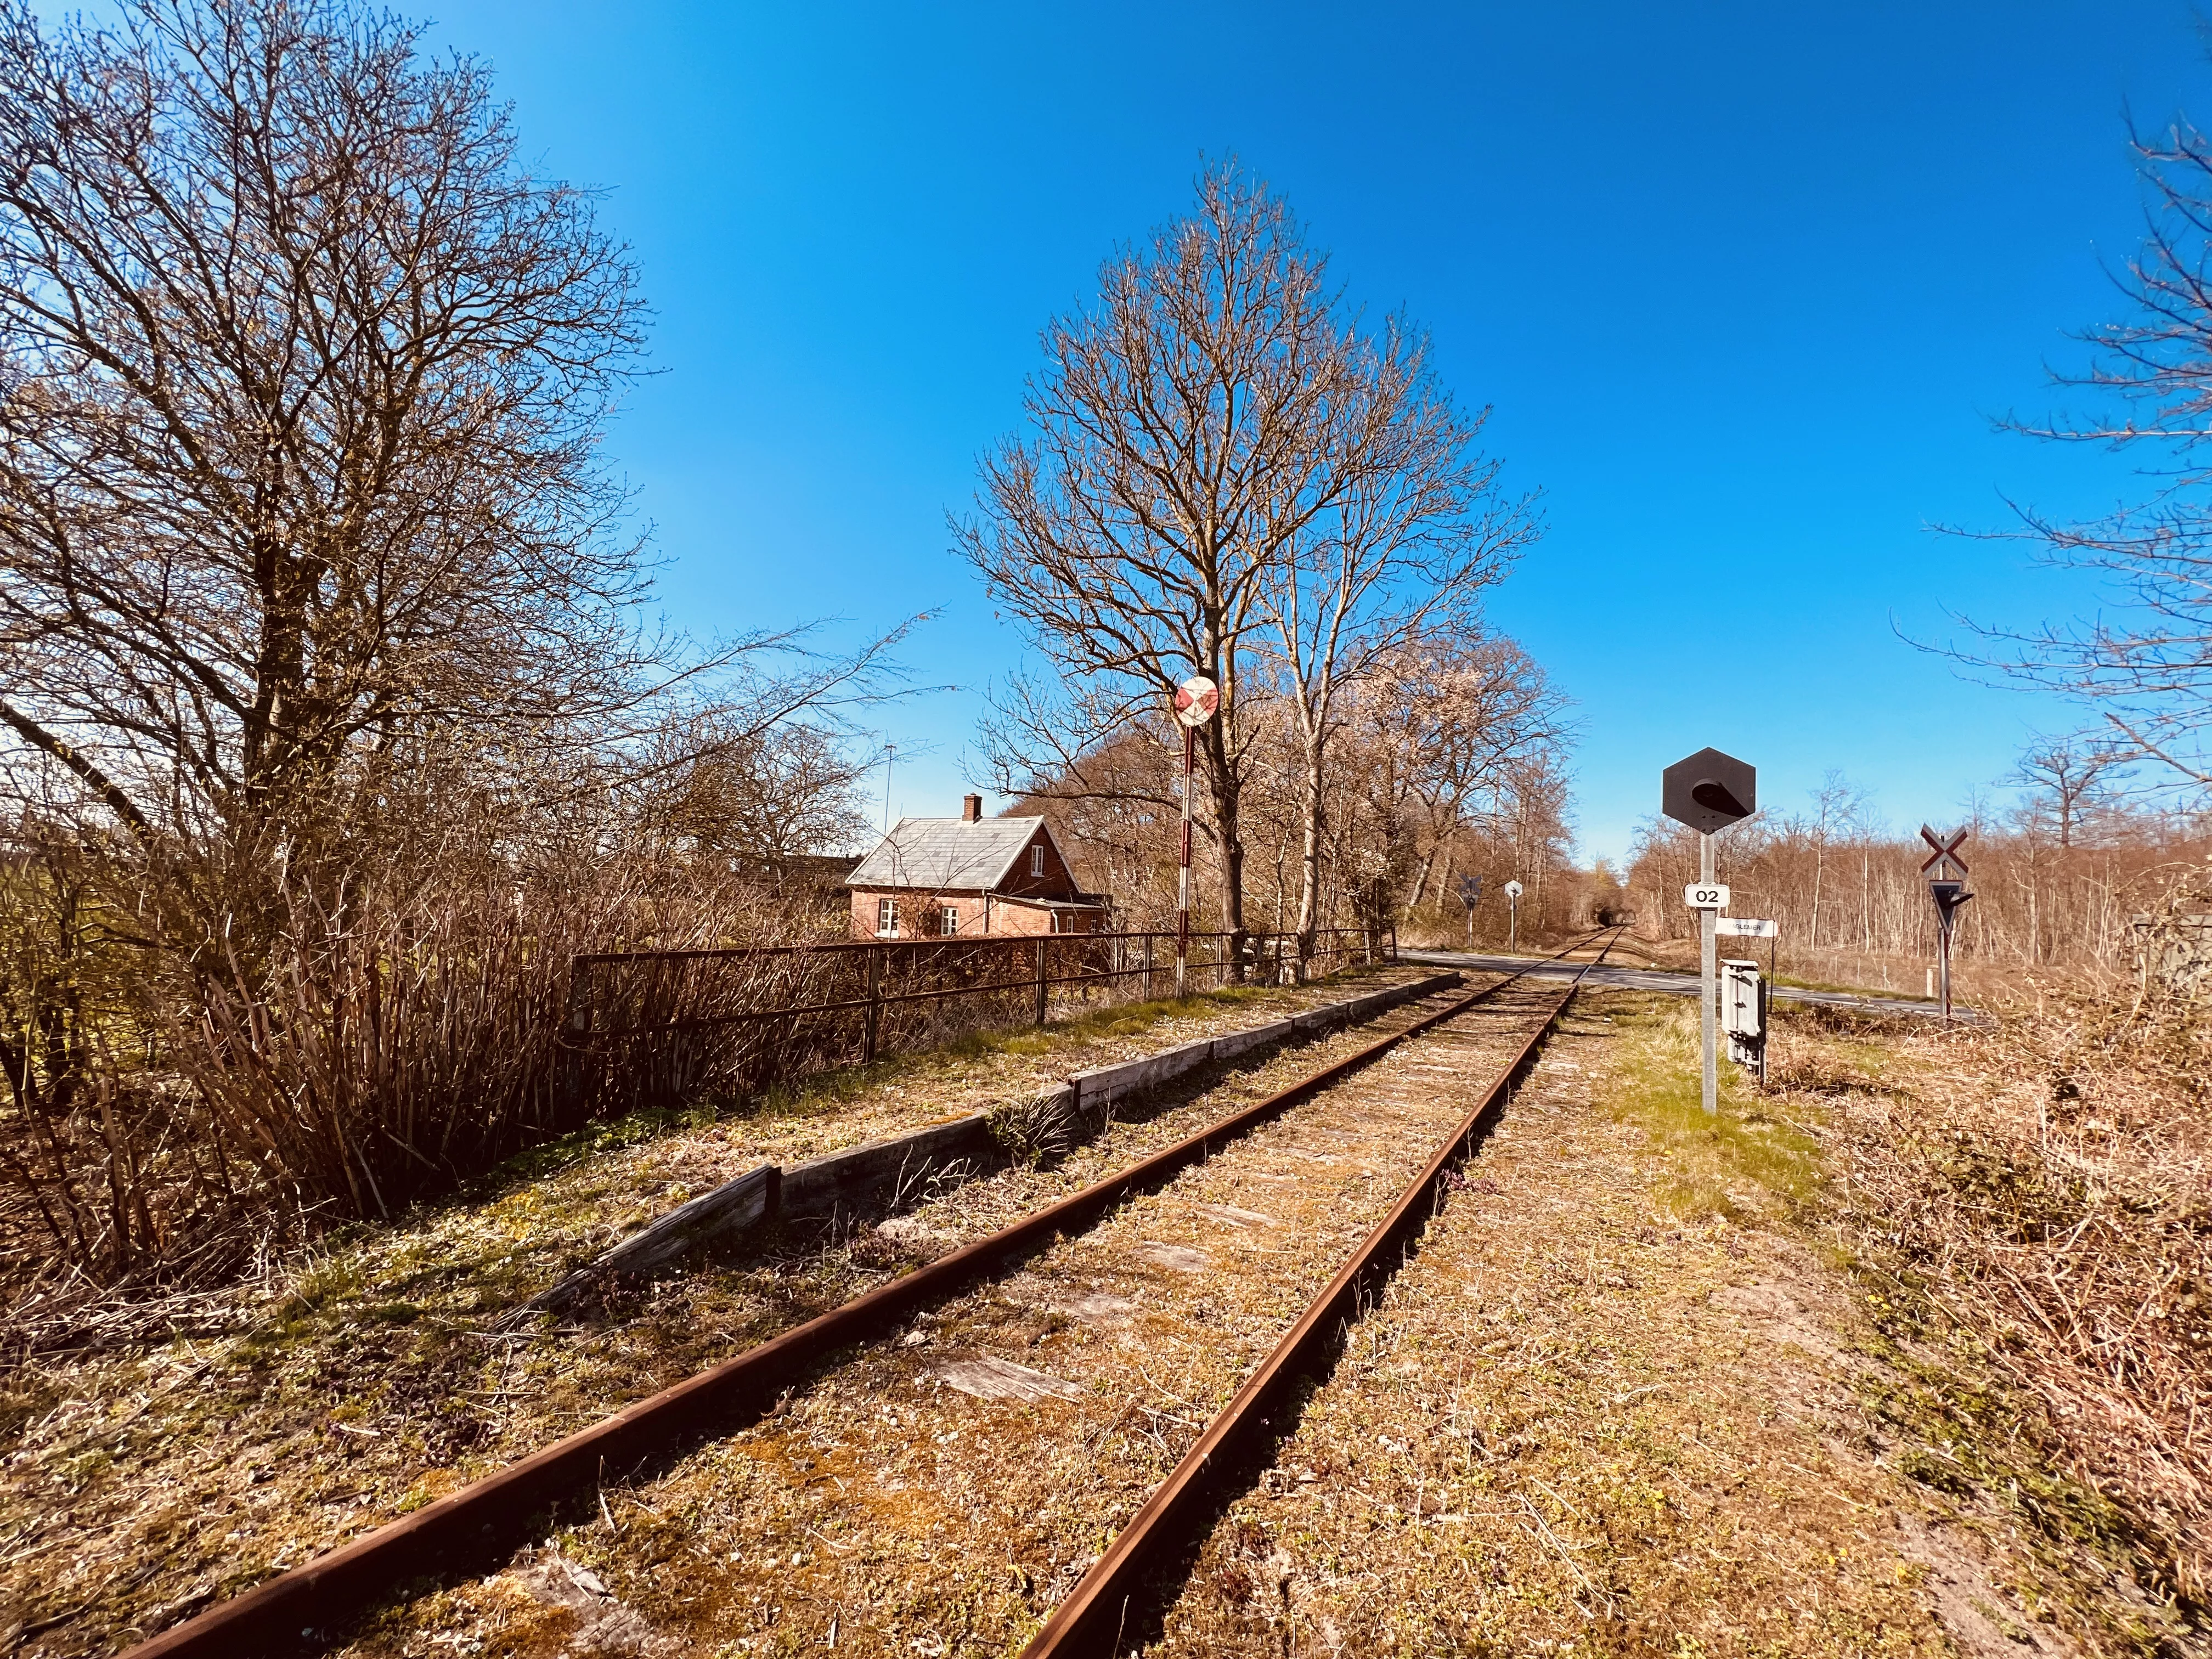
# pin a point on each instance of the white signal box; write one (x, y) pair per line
(1743, 1014)
(1707, 896)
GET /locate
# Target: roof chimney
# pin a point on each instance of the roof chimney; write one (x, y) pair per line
(971, 808)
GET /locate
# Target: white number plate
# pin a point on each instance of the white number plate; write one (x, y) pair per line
(1707, 896)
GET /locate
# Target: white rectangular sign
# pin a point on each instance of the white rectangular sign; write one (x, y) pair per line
(1707, 896)
(1745, 927)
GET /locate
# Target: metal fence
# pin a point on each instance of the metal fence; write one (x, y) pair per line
(657, 1027)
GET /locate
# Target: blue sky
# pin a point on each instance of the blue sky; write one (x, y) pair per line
(1744, 285)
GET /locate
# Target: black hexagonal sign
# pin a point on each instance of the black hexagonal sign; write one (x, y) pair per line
(1708, 791)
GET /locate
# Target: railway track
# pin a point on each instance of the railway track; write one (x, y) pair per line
(985, 1437)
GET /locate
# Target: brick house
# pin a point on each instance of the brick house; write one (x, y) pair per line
(971, 877)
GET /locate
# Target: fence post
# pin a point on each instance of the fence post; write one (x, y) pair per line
(1042, 986)
(875, 1004)
(1393, 941)
(575, 1031)
(1148, 967)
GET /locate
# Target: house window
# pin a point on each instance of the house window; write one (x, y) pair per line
(887, 918)
(1036, 860)
(948, 920)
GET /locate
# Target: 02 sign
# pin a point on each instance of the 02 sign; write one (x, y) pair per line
(1707, 896)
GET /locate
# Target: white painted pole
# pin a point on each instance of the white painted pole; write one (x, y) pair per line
(1708, 975)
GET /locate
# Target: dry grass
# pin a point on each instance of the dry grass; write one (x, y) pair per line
(2035, 1203)
(346, 1386)
(1629, 1399)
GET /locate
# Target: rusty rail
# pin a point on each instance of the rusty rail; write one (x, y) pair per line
(489, 1518)
(1091, 1621)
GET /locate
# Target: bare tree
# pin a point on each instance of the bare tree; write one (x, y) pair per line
(1836, 806)
(1173, 436)
(762, 798)
(1458, 714)
(2067, 776)
(2145, 668)
(1400, 528)
(304, 374)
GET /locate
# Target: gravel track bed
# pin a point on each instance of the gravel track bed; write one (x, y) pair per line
(1576, 1423)
(943, 1489)
(136, 1488)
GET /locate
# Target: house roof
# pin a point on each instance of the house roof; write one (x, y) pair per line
(941, 853)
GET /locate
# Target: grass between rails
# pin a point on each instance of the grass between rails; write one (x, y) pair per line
(139, 1485)
(885, 1510)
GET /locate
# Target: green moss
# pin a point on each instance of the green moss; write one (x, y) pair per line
(1710, 1159)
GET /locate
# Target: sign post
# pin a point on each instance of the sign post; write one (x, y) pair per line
(1708, 790)
(1470, 894)
(1949, 893)
(1512, 913)
(1195, 702)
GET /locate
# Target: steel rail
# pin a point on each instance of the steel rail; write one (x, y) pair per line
(1091, 1621)
(492, 1514)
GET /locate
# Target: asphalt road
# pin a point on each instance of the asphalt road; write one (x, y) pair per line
(1656, 979)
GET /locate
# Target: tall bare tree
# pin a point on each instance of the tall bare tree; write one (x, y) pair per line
(303, 377)
(1173, 440)
(1398, 528)
(2144, 667)
(1461, 713)
(2067, 778)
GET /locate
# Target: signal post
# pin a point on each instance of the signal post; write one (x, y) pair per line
(1707, 791)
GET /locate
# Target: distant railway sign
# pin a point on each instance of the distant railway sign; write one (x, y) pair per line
(1708, 791)
(1945, 856)
(1196, 701)
(1514, 890)
(1707, 896)
(1470, 891)
(1949, 892)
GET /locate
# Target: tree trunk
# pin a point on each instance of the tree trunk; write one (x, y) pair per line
(1227, 790)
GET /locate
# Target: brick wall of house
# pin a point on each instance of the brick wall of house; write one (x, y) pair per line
(917, 916)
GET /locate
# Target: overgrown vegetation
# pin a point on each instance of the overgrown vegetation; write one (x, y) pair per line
(329, 730)
(2035, 1221)
(2024, 1208)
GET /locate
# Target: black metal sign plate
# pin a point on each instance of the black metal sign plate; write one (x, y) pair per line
(1708, 791)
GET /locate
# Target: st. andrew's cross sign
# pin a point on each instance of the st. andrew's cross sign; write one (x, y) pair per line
(1945, 855)
(1950, 894)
